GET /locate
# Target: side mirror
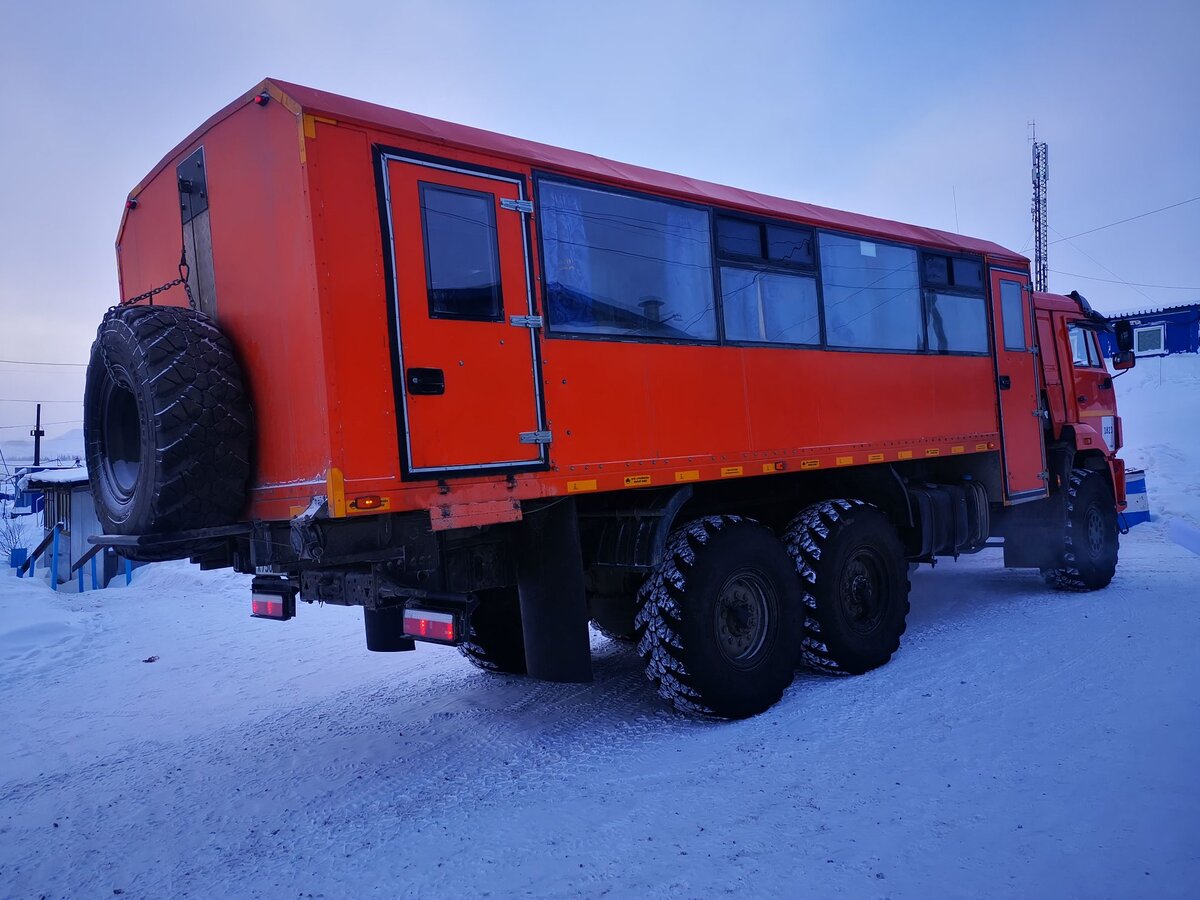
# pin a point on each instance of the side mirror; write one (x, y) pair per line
(1124, 334)
(1123, 360)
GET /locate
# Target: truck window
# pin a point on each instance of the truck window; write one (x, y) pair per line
(1083, 347)
(462, 260)
(768, 282)
(626, 266)
(871, 294)
(1012, 310)
(957, 324)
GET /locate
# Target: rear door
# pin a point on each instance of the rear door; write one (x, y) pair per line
(467, 349)
(1017, 387)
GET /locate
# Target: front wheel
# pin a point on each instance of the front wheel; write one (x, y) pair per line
(1087, 559)
(719, 619)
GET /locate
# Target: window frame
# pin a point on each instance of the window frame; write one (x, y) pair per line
(916, 248)
(931, 288)
(422, 188)
(766, 265)
(551, 332)
(1161, 328)
(718, 259)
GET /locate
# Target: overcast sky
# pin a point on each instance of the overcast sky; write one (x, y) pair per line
(892, 109)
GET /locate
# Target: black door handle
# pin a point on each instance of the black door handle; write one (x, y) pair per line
(1005, 382)
(426, 381)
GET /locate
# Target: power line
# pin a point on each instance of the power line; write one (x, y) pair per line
(1130, 219)
(30, 362)
(1103, 266)
(44, 424)
(1164, 287)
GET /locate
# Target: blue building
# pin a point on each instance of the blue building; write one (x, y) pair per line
(1157, 332)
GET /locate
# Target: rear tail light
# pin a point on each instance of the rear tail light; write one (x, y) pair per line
(431, 625)
(273, 597)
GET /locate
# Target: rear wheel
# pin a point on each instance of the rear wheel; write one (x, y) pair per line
(1087, 560)
(852, 570)
(719, 619)
(496, 643)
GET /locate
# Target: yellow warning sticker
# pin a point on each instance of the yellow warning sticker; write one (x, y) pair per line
(933, 451)
(636, 480)
(588, 484)
(845, 460)
(874, 457)
(810, 464)
(904, 454)
(958, 448)
(730, 471)
(774, 467)
(689, 475)
(981, 446)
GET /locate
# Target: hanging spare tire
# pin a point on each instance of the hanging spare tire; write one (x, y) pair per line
(167, 424)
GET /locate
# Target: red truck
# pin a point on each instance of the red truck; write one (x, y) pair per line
(489, 390)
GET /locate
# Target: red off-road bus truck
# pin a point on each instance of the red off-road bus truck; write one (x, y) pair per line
(489, 390)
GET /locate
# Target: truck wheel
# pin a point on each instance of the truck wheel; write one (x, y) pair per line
(496, 643)
(719, 619)
(167, 424)
(855, 582)
(1088, 558)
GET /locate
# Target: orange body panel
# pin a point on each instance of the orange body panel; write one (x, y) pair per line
(301, 261)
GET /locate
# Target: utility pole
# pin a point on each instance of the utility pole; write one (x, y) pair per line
(1041, 174)
(38, 434)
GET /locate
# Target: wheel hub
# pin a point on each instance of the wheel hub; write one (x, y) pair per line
(862, 591)
(1095, 532)
(742, 617)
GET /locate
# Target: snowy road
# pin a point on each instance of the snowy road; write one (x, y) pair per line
(1022, 743)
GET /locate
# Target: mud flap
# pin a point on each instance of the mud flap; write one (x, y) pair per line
(554, 615)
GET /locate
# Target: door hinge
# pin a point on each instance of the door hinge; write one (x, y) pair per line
(525, 321)
(522, 206)
(535, 437)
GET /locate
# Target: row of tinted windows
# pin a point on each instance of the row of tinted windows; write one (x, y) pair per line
(631, 266)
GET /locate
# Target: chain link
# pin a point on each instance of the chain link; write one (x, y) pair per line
(184, 272)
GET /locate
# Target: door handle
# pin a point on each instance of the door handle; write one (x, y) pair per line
(1005, 382)
(426, 381)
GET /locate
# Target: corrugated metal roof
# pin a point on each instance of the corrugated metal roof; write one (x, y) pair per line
(1154, 311)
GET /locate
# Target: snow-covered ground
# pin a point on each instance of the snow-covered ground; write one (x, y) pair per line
(1022, 743)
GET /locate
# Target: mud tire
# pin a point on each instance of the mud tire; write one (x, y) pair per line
(167, 425)
(725, 582)
(855, 582)
(1087, 560)
(496, 643)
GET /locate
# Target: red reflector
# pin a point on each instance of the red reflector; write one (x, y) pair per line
(424, 623)
(267, 606)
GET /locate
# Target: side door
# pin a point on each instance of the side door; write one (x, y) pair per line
(470, 397)
(1018, 387)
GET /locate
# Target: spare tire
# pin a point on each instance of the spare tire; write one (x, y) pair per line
(167, 424)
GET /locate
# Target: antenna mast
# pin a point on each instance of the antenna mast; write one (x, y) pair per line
(1041, 174)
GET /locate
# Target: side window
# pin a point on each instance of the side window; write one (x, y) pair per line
(768, 285)
(955, 306)
(462, 259)
(1012, 314)
(1149, 339)
(1084, 351)
(625, 266)
(957, 324)
(871, 294)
